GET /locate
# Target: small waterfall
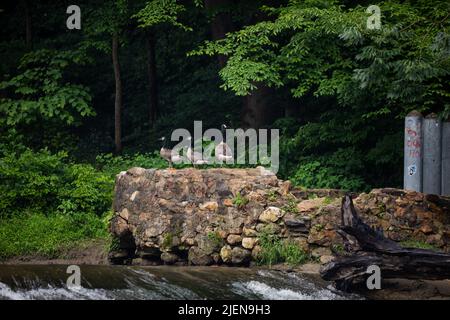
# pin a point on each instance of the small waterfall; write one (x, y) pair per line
(47, 282)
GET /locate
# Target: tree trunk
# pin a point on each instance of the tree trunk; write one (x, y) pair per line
(152, 84)
(220, 24)
(28, 30)
(257, 110)
(118, 95)
(369, 247)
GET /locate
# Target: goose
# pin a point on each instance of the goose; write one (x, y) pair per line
(167, 154)
(223, 151)
(196, 158)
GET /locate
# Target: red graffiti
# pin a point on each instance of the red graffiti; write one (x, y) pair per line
(411, 132)
(414, 143)
(414, 153)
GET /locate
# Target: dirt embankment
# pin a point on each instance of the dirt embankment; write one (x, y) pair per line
(93, 252)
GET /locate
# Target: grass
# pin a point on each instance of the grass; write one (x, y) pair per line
(275, 250)
(47, 236)
(417, 244)
(215, 238)
(239, 200)
(291, 206)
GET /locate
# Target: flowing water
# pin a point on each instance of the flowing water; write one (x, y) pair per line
(122, 282)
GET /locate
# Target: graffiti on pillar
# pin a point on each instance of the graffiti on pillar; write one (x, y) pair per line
(412, 169)
(413, 141)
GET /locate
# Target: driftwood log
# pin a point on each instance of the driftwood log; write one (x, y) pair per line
(366, 246)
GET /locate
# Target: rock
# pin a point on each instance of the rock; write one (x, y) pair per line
(318, 238)
(320, 251)
(269, 228)
(189, 241)
(256, 252)
(134, 195)
(222, 234)
(302, 243)
(209, 206)
(136, 171)
(169, 258)
(309, 268)
(119, 227)
(208, 245)
(225, 253)
(271, 214)
(249, 243)
(426, 229)
(310, 205)
(228, 202)
(124, 214)
(197, 257)
(240, 256)
(234, 239)
(249, 232)
(297, 225)
(285, 187)
(326, 259)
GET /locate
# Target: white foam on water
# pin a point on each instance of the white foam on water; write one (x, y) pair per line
(52, 293)
(265, 291)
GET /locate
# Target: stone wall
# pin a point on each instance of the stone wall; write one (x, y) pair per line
(214, 216)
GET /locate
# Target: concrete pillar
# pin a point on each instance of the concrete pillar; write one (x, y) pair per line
(412, 176)
(445, 190)
(432, 129)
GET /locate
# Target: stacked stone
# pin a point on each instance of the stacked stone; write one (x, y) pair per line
(215, 216)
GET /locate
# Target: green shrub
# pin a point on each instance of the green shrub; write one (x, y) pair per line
(45, 182)
(316, 174)
(240, 200)
(275, 250)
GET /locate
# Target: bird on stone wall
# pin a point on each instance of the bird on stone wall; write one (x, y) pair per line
(167, 154)
(196, 158)
(223, 151)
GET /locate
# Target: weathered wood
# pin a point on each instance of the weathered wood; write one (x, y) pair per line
(370, 247)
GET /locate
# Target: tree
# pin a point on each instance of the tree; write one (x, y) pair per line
(155, 13)
(354, 84)
(152, 78)
(40, 96)
(28, 27)
(110, 19)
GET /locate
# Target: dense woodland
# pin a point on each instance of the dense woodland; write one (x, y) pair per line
(78, 106)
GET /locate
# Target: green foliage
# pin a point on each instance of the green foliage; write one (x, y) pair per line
(272, 195)
(41, 93)
(215, 238)
(45, 182)
(161, 11)
(47, 235)
(315, 175)
(275, 250)
(240, 200)
(167, 240)
(291, 205)
(355, 84)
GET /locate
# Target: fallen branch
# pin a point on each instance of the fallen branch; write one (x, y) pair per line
(369, 247)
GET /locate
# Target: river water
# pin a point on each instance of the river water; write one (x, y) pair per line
(123, 282)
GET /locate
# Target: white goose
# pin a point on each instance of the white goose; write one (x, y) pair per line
(223, 151)
(196, 158)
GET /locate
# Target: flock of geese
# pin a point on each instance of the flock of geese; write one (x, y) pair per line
(222, 152)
